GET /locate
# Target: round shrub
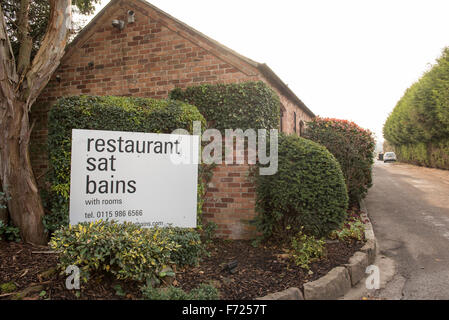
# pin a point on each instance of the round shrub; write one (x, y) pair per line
(352, 146)
(307, 191)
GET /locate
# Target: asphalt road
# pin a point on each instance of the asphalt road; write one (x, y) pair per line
(409, 209)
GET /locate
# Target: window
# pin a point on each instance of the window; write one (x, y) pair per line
(282, 118)
(301, 128)
(294, 119)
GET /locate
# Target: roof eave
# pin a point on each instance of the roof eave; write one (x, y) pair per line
(273, 77)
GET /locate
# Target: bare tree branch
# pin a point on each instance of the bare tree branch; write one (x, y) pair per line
(25, 40)
(51, 51)
(8, 75)
(7, 61)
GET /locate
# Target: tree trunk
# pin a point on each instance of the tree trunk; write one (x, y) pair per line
(18, 91)
(25, 205)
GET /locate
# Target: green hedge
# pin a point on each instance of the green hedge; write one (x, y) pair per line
(307, 191)
(418, 127)
(249, 105)
(102, 113)
(352, 146)
(432, 154)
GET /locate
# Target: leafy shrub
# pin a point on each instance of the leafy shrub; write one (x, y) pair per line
(306, 249)
(9, 232)
(103, 113)
(418, 127)
(249, 105)
(190, 247)
(209, 231)
(307, 191)
(352, 229)
(124, 250)
(352, 146)
(203, 292)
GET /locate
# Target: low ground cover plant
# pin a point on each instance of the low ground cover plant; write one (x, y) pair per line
(125, 250)
(8, 232)
(307, 249)
(353, 229)
(202, 292)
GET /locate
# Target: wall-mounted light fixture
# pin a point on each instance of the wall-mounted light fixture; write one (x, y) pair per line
(131, 16)
(119, 24)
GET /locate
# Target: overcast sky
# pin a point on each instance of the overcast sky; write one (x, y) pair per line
(348, 59)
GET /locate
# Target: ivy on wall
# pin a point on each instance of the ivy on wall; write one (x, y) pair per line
(248, 105)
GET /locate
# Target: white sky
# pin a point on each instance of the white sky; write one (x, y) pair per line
(348, 59)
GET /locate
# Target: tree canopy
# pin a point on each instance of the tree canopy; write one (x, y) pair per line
(38, 17)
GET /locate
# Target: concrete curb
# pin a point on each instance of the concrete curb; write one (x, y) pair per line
(340, 279)
(289, 294)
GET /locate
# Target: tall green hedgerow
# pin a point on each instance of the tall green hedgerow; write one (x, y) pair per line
(308, 192)
(418, 127)
(352, 146)
(103, 113)
(249, 105)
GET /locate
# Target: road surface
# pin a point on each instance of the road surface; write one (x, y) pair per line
(409, 209)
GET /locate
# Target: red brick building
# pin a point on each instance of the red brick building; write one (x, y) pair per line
(147, 54)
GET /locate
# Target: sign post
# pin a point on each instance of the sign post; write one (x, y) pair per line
(145, 178)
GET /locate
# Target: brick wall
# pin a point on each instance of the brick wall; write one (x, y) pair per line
(149, 58)
(230, 201)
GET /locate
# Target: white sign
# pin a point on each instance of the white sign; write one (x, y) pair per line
(145, 178)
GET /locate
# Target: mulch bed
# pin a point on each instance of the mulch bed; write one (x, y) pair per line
(260, 271)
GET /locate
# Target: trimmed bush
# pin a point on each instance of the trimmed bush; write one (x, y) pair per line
(352, 146)
(124, 250)
(307, 191)
(103, 113)
(249, 105)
